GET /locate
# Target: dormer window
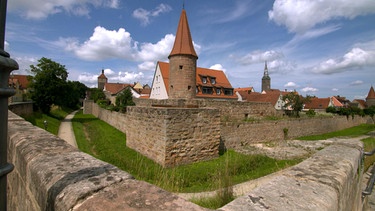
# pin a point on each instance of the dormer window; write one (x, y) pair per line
(218, 91)
(204, 80)
(213, 80)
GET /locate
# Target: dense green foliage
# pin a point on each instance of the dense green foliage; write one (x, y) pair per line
(53, 119)
(294, 101)
(99, 139)
(369, 145)
(50, 86)
(96, 94)
(124, 99)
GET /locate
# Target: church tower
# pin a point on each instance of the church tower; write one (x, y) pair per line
(182, 63)
(266, 80)
(102, 80)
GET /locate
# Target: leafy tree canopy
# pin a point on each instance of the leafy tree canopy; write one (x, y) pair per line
(124, 99)
(50, 86)
(295, 102)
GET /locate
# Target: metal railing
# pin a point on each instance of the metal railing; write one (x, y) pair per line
(7, 65)
(371, 181)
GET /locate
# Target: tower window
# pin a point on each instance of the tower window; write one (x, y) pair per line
(189, 87)
(180, 67)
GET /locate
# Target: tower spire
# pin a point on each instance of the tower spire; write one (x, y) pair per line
(183, 44)
(266, 80)
(265, 69)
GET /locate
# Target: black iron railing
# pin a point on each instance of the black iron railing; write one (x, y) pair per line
(371, 181)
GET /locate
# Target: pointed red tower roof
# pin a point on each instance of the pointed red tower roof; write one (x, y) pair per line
(183, 44)
(371, 94)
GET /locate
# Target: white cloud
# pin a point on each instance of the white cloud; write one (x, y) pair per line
(40, 9)
(301, 15)
(309, 90)
(158, 51)
(6, 46)
(335, 89)
(354, 59)
(147, 66)
(356, 83)
(103, 44)
(88, 78)
(24, 63)
(145, 15)
(260, 56)
(290, 85)
(218, 67)
(111, 44)
(128, 77)
(281, 66)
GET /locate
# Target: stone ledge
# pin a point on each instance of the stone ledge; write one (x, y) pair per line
(56, 176)
(329, 180)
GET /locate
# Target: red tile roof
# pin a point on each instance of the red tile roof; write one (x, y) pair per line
(221, 81)
(361, 102)
(269, 96)
(115, 88)
(183, 44)
(317, 103)
(371, 94)
(21, 79)
(244, 89)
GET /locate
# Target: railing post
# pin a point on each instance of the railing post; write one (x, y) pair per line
(7, 65)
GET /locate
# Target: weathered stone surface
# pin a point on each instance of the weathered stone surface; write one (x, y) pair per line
(329, 180)
(135, 195)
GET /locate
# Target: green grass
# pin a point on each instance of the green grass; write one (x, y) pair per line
(53, 119)
(101, 140)
(369, 145)
(350, 132)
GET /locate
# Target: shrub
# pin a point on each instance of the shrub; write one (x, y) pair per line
(311, 113)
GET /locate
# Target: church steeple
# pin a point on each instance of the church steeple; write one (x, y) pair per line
(183, 44)
(266, 80)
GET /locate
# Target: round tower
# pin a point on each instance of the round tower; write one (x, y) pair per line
(370, 99)
(182, 63)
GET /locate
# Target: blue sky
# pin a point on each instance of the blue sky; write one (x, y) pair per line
(320, 48)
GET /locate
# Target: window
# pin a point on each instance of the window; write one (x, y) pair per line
(207, 90)
(213, 80)
(218, 91)
(228, 91)
(204, 80)
(181, 67)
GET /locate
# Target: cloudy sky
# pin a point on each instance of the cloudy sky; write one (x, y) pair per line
(320, 48)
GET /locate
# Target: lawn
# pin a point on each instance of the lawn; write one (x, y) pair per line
(53, 119)
(106, 143)
(350, 132)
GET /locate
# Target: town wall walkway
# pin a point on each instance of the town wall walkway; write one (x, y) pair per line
(66, 130)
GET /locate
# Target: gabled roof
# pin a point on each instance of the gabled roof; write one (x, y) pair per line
(244, 89)
(21, 79)
(371, 94)
(269, 96)
(183, 44)
(336, 102)
(361, 102)
(221, 80)
(115, 88)
(318, 103)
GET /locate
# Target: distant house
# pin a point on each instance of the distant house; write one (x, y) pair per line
(359, 103)
(212, 84)
(20, 83)
(242, 91)
(273, 96)
(321, 104)
(112, 90)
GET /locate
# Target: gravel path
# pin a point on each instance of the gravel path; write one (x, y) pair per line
(66, 130)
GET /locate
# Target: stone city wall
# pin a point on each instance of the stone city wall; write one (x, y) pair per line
(21, 108)
(50, 174)
(168, 135)
(238, 134)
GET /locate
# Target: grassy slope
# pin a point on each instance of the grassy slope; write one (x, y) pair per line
(99, 139)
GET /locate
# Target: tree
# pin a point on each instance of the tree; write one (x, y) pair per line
(124, 99)
(48, 84)
(295, 102)
(96, 94)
